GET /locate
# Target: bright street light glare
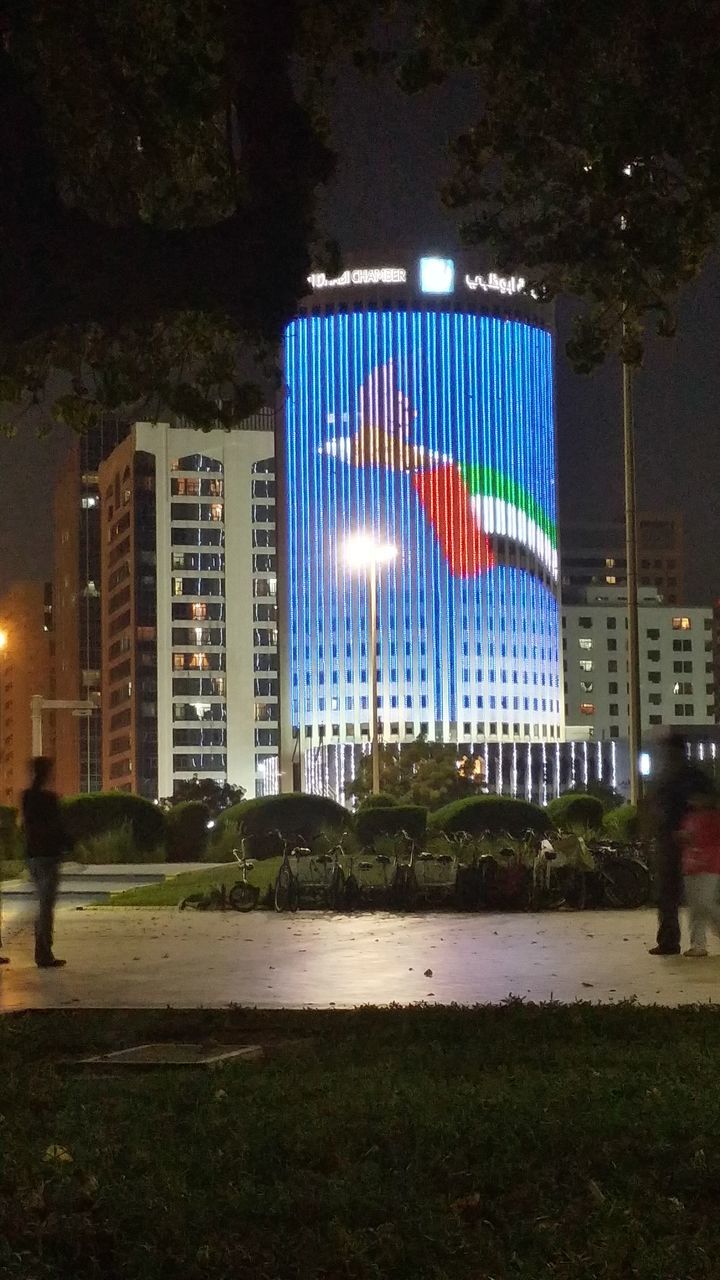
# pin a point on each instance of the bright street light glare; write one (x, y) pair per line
(3, 639)
(362, 551)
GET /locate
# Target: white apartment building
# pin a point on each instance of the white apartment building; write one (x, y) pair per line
(676, 665)
(190, 682)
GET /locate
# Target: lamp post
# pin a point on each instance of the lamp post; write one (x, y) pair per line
(366, 553)
(3, 647)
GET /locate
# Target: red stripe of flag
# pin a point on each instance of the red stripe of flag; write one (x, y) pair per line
(447, 504)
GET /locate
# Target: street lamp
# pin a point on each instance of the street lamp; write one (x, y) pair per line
(3, 647)
(365, 553)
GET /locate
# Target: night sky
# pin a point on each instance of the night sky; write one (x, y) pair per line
(384, 202)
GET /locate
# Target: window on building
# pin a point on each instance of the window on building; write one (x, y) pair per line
(655, 719)
(585, 622)
(653, 633)
(681, 624)
(653, 655)
(612, 664)
(687, 667)
(612, 644)
(689, 709)
(585, 642)
(614, 709)
(586, 686)
(612, 686)
(679, 709)
(654, 677)
(587, 708)
(655, 699)
(614, 731)
(199, 612)
(586, 664)
(612, 624)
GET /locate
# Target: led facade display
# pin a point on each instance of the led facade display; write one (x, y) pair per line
(431, 430)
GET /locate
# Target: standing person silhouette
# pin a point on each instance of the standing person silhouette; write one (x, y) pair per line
(678, 783)
(46, 842)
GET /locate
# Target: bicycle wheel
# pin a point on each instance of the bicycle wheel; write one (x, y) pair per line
(243, 896)
(352, 893)
(286, 893)
(627, 883)
(404, 889)
(335, 891)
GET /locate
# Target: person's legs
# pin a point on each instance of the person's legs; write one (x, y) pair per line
(669, 895)
(696, 897)
(46, 875)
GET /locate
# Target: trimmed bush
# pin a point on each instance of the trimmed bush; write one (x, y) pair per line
(576, 809)
(115, 847)
(494, 814)
(291, 814)
(94, 815)
(372, 821)
(621, 823)
(187, 834)
(377, 802)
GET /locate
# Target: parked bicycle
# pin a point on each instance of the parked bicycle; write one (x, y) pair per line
(404, 888)
(241, 896)
(287, 890)
(570, 872)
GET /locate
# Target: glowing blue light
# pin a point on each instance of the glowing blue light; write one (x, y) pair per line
(420, 427)
(437, 275)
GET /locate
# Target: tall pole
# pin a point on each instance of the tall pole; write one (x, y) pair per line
(633, 666)
(372, 643)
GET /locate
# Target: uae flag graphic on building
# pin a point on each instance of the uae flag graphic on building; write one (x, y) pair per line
(472, 509)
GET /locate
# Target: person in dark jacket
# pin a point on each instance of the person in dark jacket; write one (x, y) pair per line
(46, 843)
(678, 782)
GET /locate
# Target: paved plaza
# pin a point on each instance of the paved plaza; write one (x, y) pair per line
(140, 958)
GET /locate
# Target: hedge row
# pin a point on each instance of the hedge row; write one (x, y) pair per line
(265, 823)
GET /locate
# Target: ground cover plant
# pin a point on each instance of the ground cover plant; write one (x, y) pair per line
(509, 1143)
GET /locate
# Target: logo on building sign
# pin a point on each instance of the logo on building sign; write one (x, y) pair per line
(437, 275)
(468, 506)
(493, 283)
(358, 275)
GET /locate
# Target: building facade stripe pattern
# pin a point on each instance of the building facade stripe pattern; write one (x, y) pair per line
(433, 430)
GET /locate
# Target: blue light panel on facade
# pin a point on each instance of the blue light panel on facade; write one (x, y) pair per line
(432, 431)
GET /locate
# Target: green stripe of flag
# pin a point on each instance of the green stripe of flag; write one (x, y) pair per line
(490, 483)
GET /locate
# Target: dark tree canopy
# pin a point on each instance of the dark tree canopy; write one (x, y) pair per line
(158, 167)
(593, 162)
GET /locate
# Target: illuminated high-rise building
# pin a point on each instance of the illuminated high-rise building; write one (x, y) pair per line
(419, 412)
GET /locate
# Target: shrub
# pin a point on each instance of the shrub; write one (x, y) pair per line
(291, 814)
(494, 814)
(576, 809)
(115, 847)
(187, 834)
(621, 823)
(93, 815)
(372, 821)
(377, 802)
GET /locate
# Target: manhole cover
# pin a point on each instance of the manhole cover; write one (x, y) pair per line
(148, 1056)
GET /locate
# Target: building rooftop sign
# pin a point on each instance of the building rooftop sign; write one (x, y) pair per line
(493, 283)
(359, 275)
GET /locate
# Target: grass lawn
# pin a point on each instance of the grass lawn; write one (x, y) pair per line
(170, 892)
(497, 1144)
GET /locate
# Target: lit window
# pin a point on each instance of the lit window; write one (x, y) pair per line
(199, 661)
(216, 511)
(177, 586)
(586, 686)
(681, 624)
(587, 708)
(585, 642)
(586, 664)
(610, 563)
(178, 661)
(199, 611)
(611, 580)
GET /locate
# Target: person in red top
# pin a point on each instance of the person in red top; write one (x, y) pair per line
(700, 836)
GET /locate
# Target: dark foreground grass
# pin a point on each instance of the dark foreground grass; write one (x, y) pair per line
(519, 1142)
